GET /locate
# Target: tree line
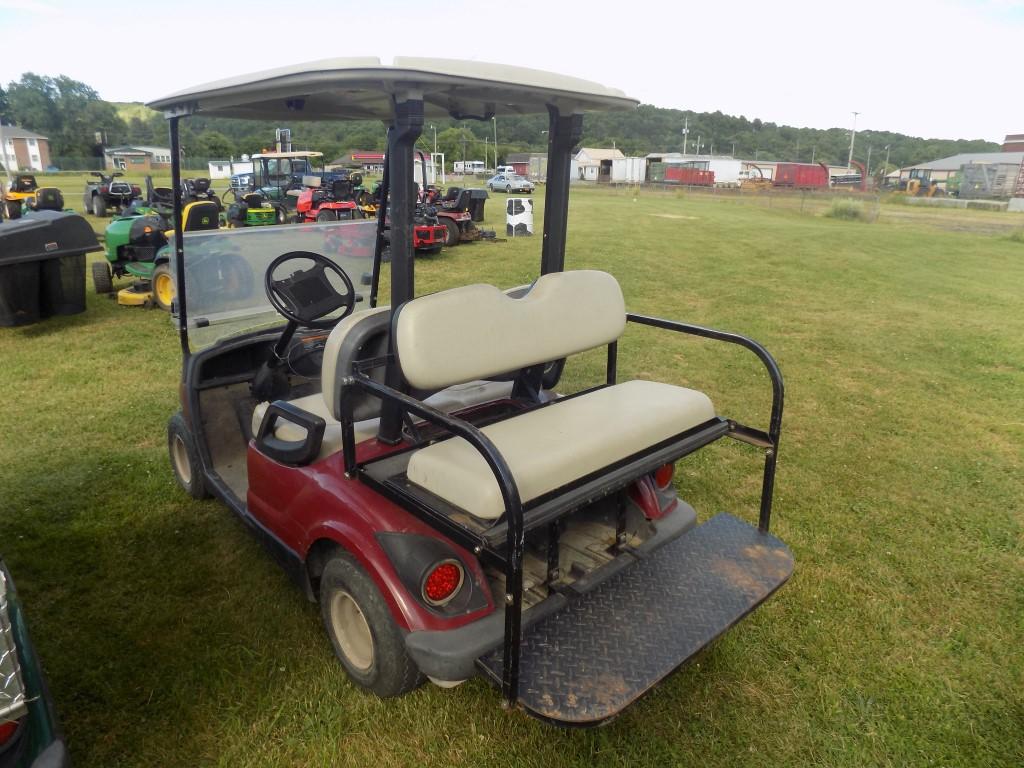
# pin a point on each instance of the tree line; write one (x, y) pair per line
(71, 114)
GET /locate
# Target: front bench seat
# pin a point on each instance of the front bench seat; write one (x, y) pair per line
(362, 336)
(477, 331)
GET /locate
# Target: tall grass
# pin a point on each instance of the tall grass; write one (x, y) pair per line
(849, 210)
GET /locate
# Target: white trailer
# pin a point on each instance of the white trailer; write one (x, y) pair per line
(628, 170)
(727, 171)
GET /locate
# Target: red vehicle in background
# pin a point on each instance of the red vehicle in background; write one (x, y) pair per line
(332, 198)
(692, 177)
(801, 175)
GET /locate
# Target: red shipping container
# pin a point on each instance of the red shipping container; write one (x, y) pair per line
(803, 175)
(692, 177)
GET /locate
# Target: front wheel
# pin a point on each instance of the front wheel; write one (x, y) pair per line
(508, 189)
(101, 278)
(365, 637)
(326, 215)
(163, 286)
(185, 458)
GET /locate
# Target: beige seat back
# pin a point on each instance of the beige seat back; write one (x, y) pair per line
(478, 331)
(359, 336)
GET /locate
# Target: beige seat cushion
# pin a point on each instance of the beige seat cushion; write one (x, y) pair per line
(446, 401)
(555, 445)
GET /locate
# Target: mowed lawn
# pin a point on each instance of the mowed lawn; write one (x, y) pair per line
(172, 639)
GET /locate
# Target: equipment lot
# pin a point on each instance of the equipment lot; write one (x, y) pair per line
(171, 639)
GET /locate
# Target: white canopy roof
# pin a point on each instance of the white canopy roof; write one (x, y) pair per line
(363, 88)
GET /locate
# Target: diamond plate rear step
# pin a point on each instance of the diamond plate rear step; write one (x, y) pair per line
(588, 662)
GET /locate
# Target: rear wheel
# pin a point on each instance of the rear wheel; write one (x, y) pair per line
(452, 235)
(99, 206)
(163, 286)
(326, 215)
(101, 277)
(508, 189)
(365, 637)
(185, 458)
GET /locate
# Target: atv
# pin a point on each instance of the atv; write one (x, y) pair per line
(106, 193)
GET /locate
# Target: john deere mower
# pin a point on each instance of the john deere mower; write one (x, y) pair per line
(20, 191)
(137, 246)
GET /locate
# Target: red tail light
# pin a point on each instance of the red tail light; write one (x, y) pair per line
(443, 582)
(104, 189)
(663, 475)
(7, 731)
(136, 190)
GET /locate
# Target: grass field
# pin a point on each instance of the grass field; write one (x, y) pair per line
(171, 639)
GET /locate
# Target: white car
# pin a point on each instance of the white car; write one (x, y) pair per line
(509, 182)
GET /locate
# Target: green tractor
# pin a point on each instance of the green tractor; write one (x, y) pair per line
(137, 245)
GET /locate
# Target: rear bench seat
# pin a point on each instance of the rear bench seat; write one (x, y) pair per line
(477, 331)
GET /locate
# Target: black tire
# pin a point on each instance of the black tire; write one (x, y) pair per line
(162, 273)
(429, 251)
(13, 209)
(280, 214)
(101, 277)
(508, 189)
(99, 206)
(452, 234)
(86, 203)
(326, 215)
(185, 458)
(364, 635)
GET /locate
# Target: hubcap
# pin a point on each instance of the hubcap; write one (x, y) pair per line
(351, 629)
(180, 455)
(164, 288)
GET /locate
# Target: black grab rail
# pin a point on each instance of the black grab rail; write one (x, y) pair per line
(515, 539)
(738, 431)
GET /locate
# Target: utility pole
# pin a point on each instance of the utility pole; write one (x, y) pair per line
(686, 131)
(886, 158)
(853, 133)
(494, 120)
(867, 168)
(434, 129)
(814, 149)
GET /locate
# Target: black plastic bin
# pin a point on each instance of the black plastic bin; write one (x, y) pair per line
(62, 285)
(478, 197)
(42, 266)
(19, 294)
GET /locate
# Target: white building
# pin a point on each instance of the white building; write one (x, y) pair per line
(595, 164)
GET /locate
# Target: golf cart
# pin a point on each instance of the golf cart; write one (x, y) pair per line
(412, 465)
(106, 192)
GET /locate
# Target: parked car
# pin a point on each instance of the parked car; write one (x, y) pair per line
(509, 182)
(29, 735)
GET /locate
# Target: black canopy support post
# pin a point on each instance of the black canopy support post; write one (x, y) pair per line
(564, 133)
(179, 243)
(402, 137)
(382, 215)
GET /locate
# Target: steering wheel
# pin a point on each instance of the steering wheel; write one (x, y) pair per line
(306, 296)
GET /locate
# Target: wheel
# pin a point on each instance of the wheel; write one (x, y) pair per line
(452, 235)
(163, 286)
(101, 278)
(362, 631)
(326, 215)
(490, 187)
(280, 214)
(508, 189)
(99, 206)
(429, 251)
(13, 209)
(185, 458)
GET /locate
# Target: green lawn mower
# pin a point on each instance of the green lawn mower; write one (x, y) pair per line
(137, 245)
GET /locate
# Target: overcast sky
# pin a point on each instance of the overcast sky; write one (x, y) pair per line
(933, 68)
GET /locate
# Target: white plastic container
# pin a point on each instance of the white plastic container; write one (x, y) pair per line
(519, 216)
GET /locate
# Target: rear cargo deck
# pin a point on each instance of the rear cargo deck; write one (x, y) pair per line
(588, 662)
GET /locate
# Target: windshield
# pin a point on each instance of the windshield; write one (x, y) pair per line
(225, 269)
